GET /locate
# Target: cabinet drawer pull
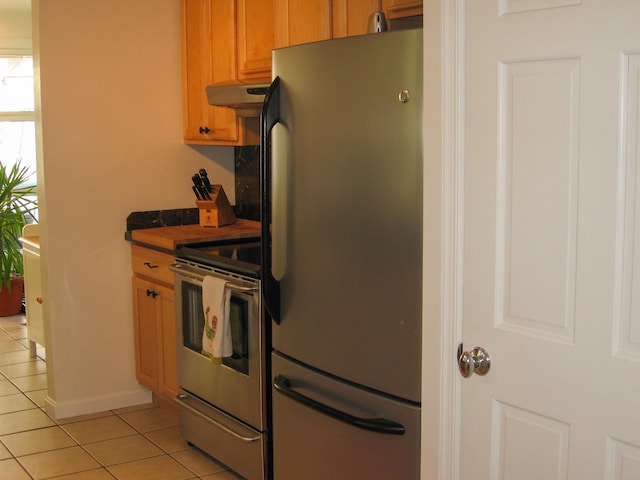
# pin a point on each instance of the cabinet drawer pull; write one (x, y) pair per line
(150, 266)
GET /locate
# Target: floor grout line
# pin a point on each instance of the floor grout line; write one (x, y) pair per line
(19, 337)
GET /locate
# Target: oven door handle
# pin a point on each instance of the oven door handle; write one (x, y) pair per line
(182, 400)
(199, 278)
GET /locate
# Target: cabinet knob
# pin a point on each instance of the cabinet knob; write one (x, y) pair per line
(39, 300)
(205, 130)
(151, 293)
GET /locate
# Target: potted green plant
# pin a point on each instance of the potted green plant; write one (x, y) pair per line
(17, 203)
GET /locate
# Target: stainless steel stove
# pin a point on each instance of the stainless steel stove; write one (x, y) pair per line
(223, 404)
(241, 257)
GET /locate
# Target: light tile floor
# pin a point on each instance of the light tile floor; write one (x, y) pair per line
(136, 443)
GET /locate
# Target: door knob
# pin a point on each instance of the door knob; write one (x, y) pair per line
(477, 360)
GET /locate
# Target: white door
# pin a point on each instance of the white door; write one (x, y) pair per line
(551, 256)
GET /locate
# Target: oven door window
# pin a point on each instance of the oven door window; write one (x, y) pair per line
(193, 326)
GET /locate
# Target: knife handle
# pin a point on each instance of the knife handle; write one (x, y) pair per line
(207, 184)
(202, 189)
(205, 180)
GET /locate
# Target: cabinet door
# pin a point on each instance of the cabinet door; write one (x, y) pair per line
(299, 22)
(146, 332)
(208, 57)
(402, 8)
(33, 295)
(155, 336)
(255, 39)
(351, 17)
(168, 363)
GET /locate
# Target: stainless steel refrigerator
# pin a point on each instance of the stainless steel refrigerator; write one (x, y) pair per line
(342, 256)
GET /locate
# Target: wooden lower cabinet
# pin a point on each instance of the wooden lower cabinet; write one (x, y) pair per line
(154, 328)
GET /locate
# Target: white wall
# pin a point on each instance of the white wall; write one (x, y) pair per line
(110, 89)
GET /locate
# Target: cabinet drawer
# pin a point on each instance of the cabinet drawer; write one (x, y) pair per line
(152, 264)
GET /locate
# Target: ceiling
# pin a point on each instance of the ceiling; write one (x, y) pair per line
(15, 5)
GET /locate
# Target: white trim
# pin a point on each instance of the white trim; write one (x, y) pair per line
(16, 46)
(452, 250)
(17, 116)
(102, 403)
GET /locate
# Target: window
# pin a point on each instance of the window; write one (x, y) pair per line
(17, 127)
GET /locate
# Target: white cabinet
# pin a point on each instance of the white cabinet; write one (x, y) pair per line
(33, 286)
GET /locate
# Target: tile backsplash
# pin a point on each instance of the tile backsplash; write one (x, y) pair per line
(247, 172)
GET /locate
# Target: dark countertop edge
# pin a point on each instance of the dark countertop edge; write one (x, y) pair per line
(150, 246)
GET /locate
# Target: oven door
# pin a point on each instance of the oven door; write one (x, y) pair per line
(237, 385)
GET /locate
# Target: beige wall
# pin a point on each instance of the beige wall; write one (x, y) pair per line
(110, 144)
(15, 31)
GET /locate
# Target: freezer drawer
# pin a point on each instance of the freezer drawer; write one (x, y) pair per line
(376, 438)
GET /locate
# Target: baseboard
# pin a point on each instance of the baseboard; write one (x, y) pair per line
(102, 403)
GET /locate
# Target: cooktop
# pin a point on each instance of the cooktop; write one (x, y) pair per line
(242, 257)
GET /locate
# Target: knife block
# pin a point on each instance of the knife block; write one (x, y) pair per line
(216, 212)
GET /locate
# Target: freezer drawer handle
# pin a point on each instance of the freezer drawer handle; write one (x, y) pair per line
(380, 425)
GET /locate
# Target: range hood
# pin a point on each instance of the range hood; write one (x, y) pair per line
(245, 99)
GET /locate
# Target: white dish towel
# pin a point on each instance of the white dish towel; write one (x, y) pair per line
(216, 336)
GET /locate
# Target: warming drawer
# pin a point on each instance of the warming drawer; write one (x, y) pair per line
(242, 448)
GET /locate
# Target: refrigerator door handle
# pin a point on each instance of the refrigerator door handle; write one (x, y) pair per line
(269, 117)
(379, 425)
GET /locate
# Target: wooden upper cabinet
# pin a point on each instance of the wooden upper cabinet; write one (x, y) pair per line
(402, 8)
(255, 39)
(230, 41)
(210, 56)
(204, 26)
(351, 17)
(298, 21)
(223, 41)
